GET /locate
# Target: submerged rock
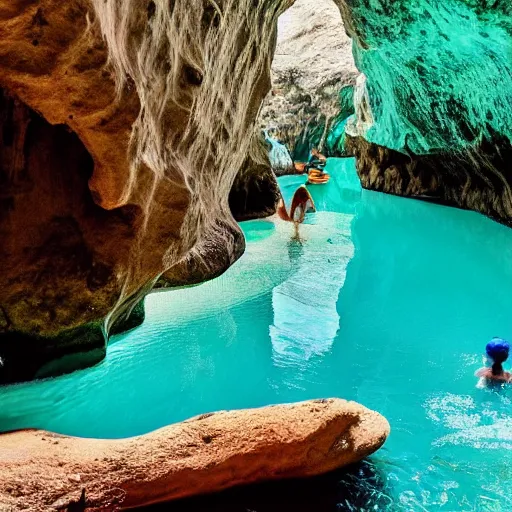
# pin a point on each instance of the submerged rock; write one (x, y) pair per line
(45, 472)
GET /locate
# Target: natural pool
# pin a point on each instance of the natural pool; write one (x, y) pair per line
(388, 301)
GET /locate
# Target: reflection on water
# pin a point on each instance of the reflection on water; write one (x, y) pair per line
(308, 297)
(388, 301)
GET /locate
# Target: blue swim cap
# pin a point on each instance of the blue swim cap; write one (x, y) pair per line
(497, 349)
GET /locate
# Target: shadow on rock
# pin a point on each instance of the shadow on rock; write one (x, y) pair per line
(361, 487)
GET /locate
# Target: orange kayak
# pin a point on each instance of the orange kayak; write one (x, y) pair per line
(317, 177)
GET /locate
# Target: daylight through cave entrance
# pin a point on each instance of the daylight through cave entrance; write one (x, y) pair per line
(313, 62)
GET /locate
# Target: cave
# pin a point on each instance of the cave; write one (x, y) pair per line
(412, 134)
(152, 273)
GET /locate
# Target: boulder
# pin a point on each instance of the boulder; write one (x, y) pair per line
(44, 472)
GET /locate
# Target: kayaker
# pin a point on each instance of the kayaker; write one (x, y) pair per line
(316, 160)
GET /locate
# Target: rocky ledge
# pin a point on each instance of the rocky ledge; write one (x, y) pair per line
(44, 472)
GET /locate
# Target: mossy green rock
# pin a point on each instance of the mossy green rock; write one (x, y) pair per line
(438, 73)
(25, 357)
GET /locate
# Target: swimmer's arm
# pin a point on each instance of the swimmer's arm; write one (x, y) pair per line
(482, 372)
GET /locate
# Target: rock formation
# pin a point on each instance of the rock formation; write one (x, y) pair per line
(128, 139)
(433, 105)
(433, 114)
(312, 64)
(125, 126)
(477, 179)
(44, 472)
(255, 194)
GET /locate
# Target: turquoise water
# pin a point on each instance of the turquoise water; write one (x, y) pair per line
(387, 301)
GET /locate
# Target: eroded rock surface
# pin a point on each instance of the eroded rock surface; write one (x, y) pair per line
(108, 178)
(43, 472)
(313, 62)
(435, 105)
(466, 179)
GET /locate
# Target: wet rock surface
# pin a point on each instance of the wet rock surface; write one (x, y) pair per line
(45, 472)
(475, 179)
(433, 110)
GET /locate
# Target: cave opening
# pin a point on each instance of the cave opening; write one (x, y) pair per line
(313, 75)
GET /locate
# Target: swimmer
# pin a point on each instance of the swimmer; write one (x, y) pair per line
(497, 351)
(302, 203)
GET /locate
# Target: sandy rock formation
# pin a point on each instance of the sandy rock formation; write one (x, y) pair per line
(125, 126)
(44, 472)
(313, 62)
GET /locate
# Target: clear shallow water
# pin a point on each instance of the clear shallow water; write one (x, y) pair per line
(387, 301)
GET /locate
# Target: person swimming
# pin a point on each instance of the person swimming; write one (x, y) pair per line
(497, 351)
(302, 203)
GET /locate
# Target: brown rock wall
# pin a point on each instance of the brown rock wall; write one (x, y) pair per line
(118, 155)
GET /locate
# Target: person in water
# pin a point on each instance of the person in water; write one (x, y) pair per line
(316, 160)
(302, 203)
(497, 351)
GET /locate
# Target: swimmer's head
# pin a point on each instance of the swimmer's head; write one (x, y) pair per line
(498, 349)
